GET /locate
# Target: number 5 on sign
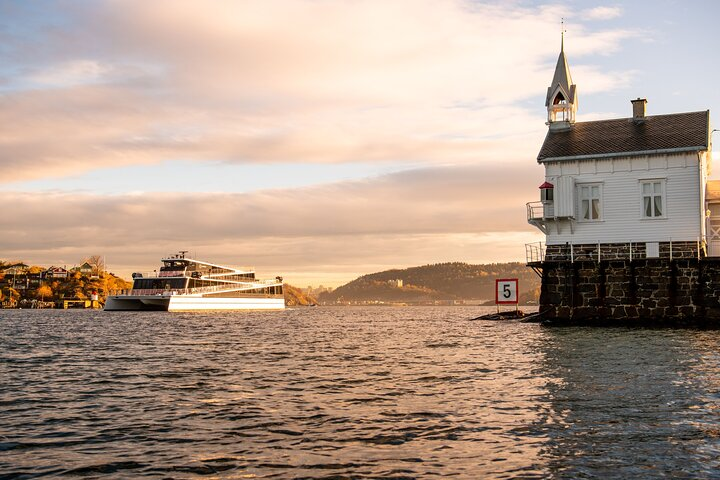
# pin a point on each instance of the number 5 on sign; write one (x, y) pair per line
(506, 291)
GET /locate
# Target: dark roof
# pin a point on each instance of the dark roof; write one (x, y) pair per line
(626, 137)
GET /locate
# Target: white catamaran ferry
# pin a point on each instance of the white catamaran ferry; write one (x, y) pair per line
(187, 284)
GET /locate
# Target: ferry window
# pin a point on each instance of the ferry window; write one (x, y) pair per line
(590, 202)
(175, 283)
(653, 199)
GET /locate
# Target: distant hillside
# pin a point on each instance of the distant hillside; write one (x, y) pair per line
(431, 283)
(295, 297)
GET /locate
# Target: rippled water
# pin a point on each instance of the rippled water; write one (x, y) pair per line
(340, 393)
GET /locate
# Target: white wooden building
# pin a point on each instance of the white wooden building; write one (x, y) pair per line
(625, 186)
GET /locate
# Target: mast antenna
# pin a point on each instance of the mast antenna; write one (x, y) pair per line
(182, 253)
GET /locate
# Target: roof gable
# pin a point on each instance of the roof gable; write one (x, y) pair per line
(56, 269)
(679, 132)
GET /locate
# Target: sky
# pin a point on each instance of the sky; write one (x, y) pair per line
(319, 140)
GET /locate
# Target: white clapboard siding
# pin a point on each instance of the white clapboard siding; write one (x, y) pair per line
(622, 218)
(564, 196)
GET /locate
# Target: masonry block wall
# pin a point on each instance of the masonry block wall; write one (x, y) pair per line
(660, 291)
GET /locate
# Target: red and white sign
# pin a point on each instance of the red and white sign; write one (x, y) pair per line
(506, 291)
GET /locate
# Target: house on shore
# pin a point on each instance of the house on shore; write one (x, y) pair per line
(55, 272)
(631, 223)
(85, 269)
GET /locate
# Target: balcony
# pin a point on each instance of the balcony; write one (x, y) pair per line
(539, 215)
(535, 211)
(542, 215)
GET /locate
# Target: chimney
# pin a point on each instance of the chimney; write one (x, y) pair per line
(639, 108)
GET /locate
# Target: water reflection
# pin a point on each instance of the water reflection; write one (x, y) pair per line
(631, 403)
(351, 393)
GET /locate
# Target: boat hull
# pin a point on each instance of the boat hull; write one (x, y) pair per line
(180, 303)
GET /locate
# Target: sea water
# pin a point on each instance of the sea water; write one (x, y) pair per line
(352, 393)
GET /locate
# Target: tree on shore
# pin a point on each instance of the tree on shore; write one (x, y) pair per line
(44, 291)
(97, 262)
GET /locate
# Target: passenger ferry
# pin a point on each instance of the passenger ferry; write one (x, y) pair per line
(183, 283)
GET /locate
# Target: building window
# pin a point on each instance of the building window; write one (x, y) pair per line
(546, 195)
(590, 202)
(653, 199)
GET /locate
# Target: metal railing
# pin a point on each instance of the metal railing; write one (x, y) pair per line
(227, 287)
(535, 210)
(539, 252)
(188, 273)
(534, 252)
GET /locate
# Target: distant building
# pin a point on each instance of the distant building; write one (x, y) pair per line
(397, 283)
(19, 282)
(17, 269)
(34, 280)
(55, 272)
(317, 291)
(85, 269)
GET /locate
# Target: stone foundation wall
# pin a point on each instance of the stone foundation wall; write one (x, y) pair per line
(656, 292)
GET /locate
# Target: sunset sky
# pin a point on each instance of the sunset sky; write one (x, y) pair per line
(314, 139)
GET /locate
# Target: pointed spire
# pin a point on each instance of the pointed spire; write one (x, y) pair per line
(562, 75)
(561, 99)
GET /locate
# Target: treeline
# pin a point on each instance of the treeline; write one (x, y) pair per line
(438, 282)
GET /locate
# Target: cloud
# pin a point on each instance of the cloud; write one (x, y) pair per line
(602, 13)
(132, 83)
(435, 200)
(455, 87)
(72, 73)
(418, 216)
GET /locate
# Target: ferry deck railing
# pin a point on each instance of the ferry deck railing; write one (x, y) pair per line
(186, 273)
(229, 287)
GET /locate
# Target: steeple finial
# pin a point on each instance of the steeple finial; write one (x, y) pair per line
(562, 34)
